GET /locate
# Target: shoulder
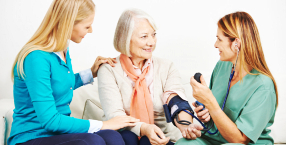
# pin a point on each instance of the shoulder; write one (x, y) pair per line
(265, 83)
(107, 68)
(163, 65)
(38, 55)
(161, 61)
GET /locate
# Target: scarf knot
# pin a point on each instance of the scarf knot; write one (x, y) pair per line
(141, 106)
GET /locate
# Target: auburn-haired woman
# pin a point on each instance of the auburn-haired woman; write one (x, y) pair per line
(252, 98)
(44, 82)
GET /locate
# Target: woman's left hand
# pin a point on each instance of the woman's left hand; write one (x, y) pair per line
(201, 92)
(100, 60)
(191, 131)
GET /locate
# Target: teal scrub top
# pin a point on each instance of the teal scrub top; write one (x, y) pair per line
(251, 104)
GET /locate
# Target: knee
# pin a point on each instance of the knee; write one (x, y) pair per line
(144, 140)
(129, 137)
(110, 133)
(93, 139)
(111, 137)
(128, 134)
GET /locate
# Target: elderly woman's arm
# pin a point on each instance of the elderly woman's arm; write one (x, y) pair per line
(172, 88)
(110, 96)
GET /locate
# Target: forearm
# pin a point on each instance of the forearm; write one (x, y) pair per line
(182, 115)
(226, 127)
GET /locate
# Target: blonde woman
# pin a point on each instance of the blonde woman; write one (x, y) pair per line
(140, 84)
(44, 82)
(252, 98)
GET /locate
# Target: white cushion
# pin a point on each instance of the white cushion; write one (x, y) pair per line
(81, 95)
(9, 120)
(5, 105)
(93, 110)
(2, 130)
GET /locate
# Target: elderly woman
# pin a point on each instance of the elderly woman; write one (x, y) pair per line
(140, 84)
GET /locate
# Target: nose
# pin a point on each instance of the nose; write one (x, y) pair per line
(90, 30)
(215, 45)
(151, 41)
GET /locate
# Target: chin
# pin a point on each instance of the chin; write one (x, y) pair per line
(147, 56)
(76, 41)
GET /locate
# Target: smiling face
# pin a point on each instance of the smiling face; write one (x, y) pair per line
(143, 40)
(82, 28)
(224, 46)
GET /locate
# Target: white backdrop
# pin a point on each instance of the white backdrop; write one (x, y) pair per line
(186, 35)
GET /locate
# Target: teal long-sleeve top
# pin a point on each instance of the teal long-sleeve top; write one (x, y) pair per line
(42, 99)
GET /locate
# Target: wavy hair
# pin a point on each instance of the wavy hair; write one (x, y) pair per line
(242, 26)
(55, 30)
(125, 27)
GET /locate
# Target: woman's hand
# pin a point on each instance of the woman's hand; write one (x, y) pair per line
(201, 92)
(154, 134)
(119, 122)
(191, 131)
(203, 115)
(100, 60)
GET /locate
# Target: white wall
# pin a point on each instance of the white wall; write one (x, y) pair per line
(186, 35)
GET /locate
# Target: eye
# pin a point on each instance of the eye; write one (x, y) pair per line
(145, 36)
(87, 27)
(154, 34)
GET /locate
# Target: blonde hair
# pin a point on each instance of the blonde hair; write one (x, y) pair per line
(125, 27)
(241, 25)
(55, 30)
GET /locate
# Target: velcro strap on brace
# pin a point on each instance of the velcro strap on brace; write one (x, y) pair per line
(175, 106)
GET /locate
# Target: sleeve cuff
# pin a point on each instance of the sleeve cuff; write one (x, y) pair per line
(167, 94)
(86, 77)
(95, 126)
(137, 128)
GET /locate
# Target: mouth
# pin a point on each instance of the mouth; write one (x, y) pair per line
(148, 49)
(220, 52)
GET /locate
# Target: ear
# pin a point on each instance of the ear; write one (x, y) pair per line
(238, 42)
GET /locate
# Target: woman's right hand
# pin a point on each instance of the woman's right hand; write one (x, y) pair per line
(154, 134)
(119, 122)
(204, 115)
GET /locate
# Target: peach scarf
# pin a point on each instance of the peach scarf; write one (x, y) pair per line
(141, 106)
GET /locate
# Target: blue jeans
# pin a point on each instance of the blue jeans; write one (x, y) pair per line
(131, 138)
(103, 137)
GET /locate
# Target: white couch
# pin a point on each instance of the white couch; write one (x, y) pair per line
(86, 101)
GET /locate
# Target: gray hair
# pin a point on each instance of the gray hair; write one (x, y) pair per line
(125, 27)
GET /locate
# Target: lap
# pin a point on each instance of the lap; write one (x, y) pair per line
(68, 139)
(131, 138)
(198, 141)
(103, 137)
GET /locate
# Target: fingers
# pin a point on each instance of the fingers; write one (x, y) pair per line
(198, 110)
(198, 127)
(129, 124)
(159, 132)
(110, 61)
(205, 116)
(208, 119)
(193, 82)
(194, 133)
(203, 82)
(132, 119)
(203, 112)
(191, 133)
(114, 60)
